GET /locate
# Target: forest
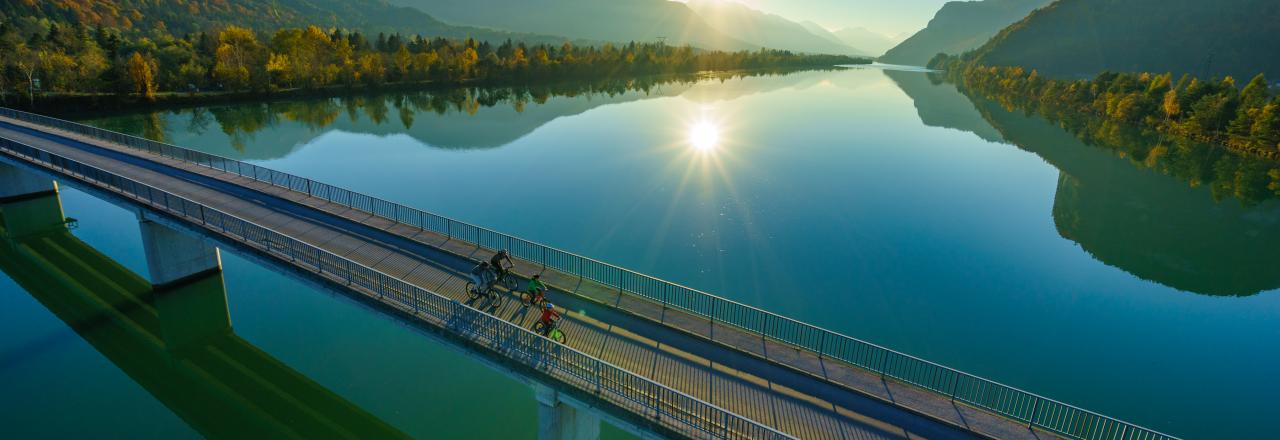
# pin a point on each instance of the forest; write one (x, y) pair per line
(1241, 117)
(69, 59)
(1202, 132)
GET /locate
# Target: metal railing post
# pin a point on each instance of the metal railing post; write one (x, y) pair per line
(597, 377)
(954, 383)
(1032, 420)
(884, 361)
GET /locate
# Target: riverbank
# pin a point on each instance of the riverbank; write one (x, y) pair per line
(90, 104)
(1213, 111)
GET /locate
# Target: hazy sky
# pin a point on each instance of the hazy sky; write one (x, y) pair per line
(885, 16)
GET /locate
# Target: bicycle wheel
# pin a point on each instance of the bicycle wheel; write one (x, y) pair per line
(509, 282)
(526, 299)
(471, 290)
(538, 327)
(557, 335)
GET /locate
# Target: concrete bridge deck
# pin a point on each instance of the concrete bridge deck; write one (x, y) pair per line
(782, 386)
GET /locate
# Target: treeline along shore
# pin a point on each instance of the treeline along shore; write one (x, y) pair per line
(1219, 111)
(72, 63)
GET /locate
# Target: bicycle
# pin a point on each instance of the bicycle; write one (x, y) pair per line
(489, 292)
(506, 279)
(551, 332)
(529, 298)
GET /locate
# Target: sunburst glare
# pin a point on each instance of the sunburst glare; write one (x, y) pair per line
(704, 136)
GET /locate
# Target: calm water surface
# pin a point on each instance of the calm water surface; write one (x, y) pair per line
(874, 203)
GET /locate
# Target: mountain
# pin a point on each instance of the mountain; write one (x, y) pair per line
(180, 16)
(766, 30)
(1074, 38)
(940, 104)
(820, 31)
(873, 42)
(603, 20)
(959, 27)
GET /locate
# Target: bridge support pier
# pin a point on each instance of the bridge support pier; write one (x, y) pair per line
(174, 258)
(186, 277)
(558, 421)
(30, 203)
(17, 184)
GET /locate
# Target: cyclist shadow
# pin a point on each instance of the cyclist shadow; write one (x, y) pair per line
(488, 304)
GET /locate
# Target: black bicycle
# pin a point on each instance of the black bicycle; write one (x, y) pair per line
(489, 292)
(506, 278)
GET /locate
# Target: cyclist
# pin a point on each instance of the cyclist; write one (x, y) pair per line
(549, 315)
(480, 275)
(536, 289)
(496, 263)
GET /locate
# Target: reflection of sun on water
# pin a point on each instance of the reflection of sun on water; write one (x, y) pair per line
(704, 136)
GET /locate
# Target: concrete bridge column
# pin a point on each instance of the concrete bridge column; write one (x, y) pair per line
(186, 277)
(29, 203)
(174, 258)
(558, 421)
(17, 184)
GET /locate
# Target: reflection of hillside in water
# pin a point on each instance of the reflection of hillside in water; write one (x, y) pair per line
(1159, 227)
(463, 118)
(940, 105)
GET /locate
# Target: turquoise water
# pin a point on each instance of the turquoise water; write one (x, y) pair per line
(874, 203)
(57, 385)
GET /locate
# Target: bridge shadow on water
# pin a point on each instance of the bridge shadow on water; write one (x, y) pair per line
(176, 343)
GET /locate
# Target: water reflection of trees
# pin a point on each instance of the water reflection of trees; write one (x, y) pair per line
(1166, 228)
(1227, 174)
(240, 122)
(1151, 207)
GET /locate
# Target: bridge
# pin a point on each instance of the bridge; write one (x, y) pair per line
(650, 356)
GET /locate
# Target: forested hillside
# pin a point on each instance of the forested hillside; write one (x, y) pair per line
(74, 59)
(1081, 38)
(1241, 116)
(959, 27)
(180, 17)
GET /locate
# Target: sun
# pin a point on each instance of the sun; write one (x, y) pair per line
(704, 136)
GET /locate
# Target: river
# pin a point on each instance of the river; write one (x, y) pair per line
(1135, 279)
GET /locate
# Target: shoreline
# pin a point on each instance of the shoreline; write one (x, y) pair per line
(64, 105)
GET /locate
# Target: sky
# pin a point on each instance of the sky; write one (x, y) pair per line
(885, 16)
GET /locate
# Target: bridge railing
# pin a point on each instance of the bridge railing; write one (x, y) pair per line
(655, 402)
(1032, 409)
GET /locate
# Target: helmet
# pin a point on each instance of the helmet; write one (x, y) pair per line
(548, 306)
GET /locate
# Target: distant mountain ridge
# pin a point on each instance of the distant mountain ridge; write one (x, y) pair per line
(768, 30)
(601, 20)
(1078, 38)
(872, 42)
(959, 27)
(181, 17)
(820, 31)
